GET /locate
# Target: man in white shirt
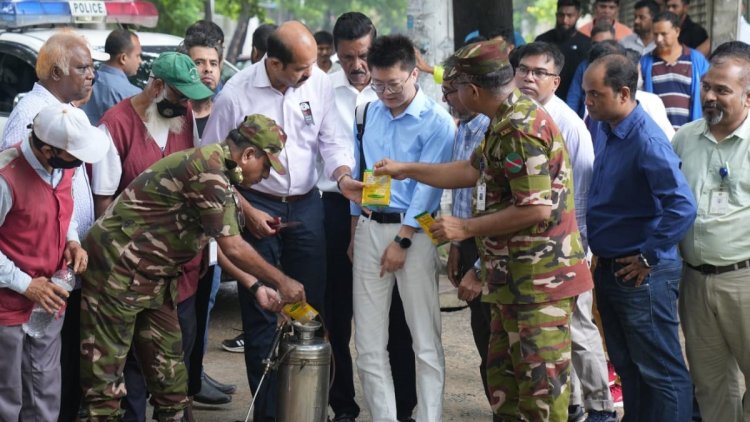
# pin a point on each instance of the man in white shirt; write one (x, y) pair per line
(287, 87)
(537, 75)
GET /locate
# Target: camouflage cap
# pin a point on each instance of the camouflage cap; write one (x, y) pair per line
(479, 58)
(264, 133)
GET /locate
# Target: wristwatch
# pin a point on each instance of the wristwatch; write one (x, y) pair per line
(254, 288)
(642, 259)
(404, 242)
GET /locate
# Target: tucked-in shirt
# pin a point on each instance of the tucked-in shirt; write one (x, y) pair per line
(307, 114)
(468, 137)
(575, 47)
(348, 98)
(523, 162)
(581, 152)
(422, 133)
(718, 238)
(10, 275)
(634, 42)
(691, 33)
(111, 87)
(16, 130)
(673, 84)
(639, 201)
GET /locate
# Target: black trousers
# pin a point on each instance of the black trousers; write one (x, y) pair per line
(338, 319)
(70, 359)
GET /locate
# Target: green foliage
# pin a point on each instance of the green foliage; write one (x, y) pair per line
(176, 15)
(321, 14)
(534, 13)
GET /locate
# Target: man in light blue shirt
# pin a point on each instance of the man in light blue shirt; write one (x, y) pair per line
(112, 84)
(388, 248)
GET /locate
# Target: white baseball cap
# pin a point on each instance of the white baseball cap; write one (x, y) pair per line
(66, 127)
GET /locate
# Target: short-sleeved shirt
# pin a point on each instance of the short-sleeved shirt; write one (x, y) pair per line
(673, 84)
(691, 33)
(523, 161)
(162, 219)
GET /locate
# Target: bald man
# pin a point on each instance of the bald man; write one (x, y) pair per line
(287, 87)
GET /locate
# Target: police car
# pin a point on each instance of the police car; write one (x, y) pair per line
(26, 24)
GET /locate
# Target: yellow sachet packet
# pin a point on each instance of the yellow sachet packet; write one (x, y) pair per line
(425, 220)
(300, 311)
(377, 190)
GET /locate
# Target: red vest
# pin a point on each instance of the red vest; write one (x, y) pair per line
(34, 233)
(138, 151)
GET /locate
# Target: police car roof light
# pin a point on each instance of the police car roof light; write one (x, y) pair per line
(24, 13)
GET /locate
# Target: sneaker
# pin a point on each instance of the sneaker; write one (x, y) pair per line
(576, 413)
(601, 416)
(616, 391)
(234, 345)
(224, 388)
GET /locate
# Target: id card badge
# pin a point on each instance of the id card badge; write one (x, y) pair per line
(213, 252)
(481, 196)
(719, 204)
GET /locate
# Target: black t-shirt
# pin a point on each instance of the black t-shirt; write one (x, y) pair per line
(575, 47)
(200, 123)
(692, 34)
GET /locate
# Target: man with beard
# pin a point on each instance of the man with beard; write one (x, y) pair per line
(673, 71)
(142, 130)
(139, 246)
(607, 11)
(714, 291)
(66, 74)
(639, 207)
(288, 87)
(642, 40)
(574, 45)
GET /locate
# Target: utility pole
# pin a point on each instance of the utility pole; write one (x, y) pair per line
(484, 15)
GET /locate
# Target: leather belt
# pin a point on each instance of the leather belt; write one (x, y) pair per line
(282, 199)
(712, 269)
(387, 217)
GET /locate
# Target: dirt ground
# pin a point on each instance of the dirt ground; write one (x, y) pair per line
(464, 398)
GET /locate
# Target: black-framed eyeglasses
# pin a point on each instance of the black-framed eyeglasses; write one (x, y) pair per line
(447, 92)
(537, 73)
(392, 87)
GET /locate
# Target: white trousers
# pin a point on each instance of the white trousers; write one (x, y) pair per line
(30, 374)
(372, 300)
(715, 316)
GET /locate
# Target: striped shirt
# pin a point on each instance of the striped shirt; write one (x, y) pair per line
(672, 83)
(468, 136)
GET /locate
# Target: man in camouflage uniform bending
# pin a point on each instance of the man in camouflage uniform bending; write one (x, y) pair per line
(138, 248)
(531, 255)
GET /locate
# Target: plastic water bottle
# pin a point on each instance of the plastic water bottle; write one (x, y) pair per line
(40, 318)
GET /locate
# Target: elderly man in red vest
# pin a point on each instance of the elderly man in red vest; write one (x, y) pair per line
(37, 237)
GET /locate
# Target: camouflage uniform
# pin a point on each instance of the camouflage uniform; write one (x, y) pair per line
(532, 276)
(136, 250)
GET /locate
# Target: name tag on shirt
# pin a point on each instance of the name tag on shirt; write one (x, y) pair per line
(307, 112)
(481, 196)
(213, 252)
(719, 204)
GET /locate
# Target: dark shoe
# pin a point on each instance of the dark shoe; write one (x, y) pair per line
(234, 345)
(224, 388)
(601, 416)
(211, 395)
(576, 413)
(409, 419)
(345, 417)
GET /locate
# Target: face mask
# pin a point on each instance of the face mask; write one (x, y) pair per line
(169, 110)
(58, 163)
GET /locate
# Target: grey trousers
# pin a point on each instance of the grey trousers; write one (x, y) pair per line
(30, 374)
(589, 380)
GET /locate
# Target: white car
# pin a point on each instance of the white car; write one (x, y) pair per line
(19, 48)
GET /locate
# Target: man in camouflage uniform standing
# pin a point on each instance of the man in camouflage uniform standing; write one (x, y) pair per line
(139, 246)
(532, 260)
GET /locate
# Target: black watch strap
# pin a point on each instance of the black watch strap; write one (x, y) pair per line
(403, 242)
(254, 288)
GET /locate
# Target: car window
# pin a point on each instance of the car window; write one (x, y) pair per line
(16, 77)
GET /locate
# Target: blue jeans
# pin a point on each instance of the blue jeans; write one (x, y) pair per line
(301, 253)
(641, 331)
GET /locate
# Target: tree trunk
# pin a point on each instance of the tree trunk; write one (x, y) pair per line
(238, 39)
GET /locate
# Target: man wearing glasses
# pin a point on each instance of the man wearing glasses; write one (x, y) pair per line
(532, 259)
(388, 248)
(537, 75)
(142, 130)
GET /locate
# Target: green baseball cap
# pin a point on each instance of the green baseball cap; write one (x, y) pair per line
(179, 71)
(264, 133)
(479, 59)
